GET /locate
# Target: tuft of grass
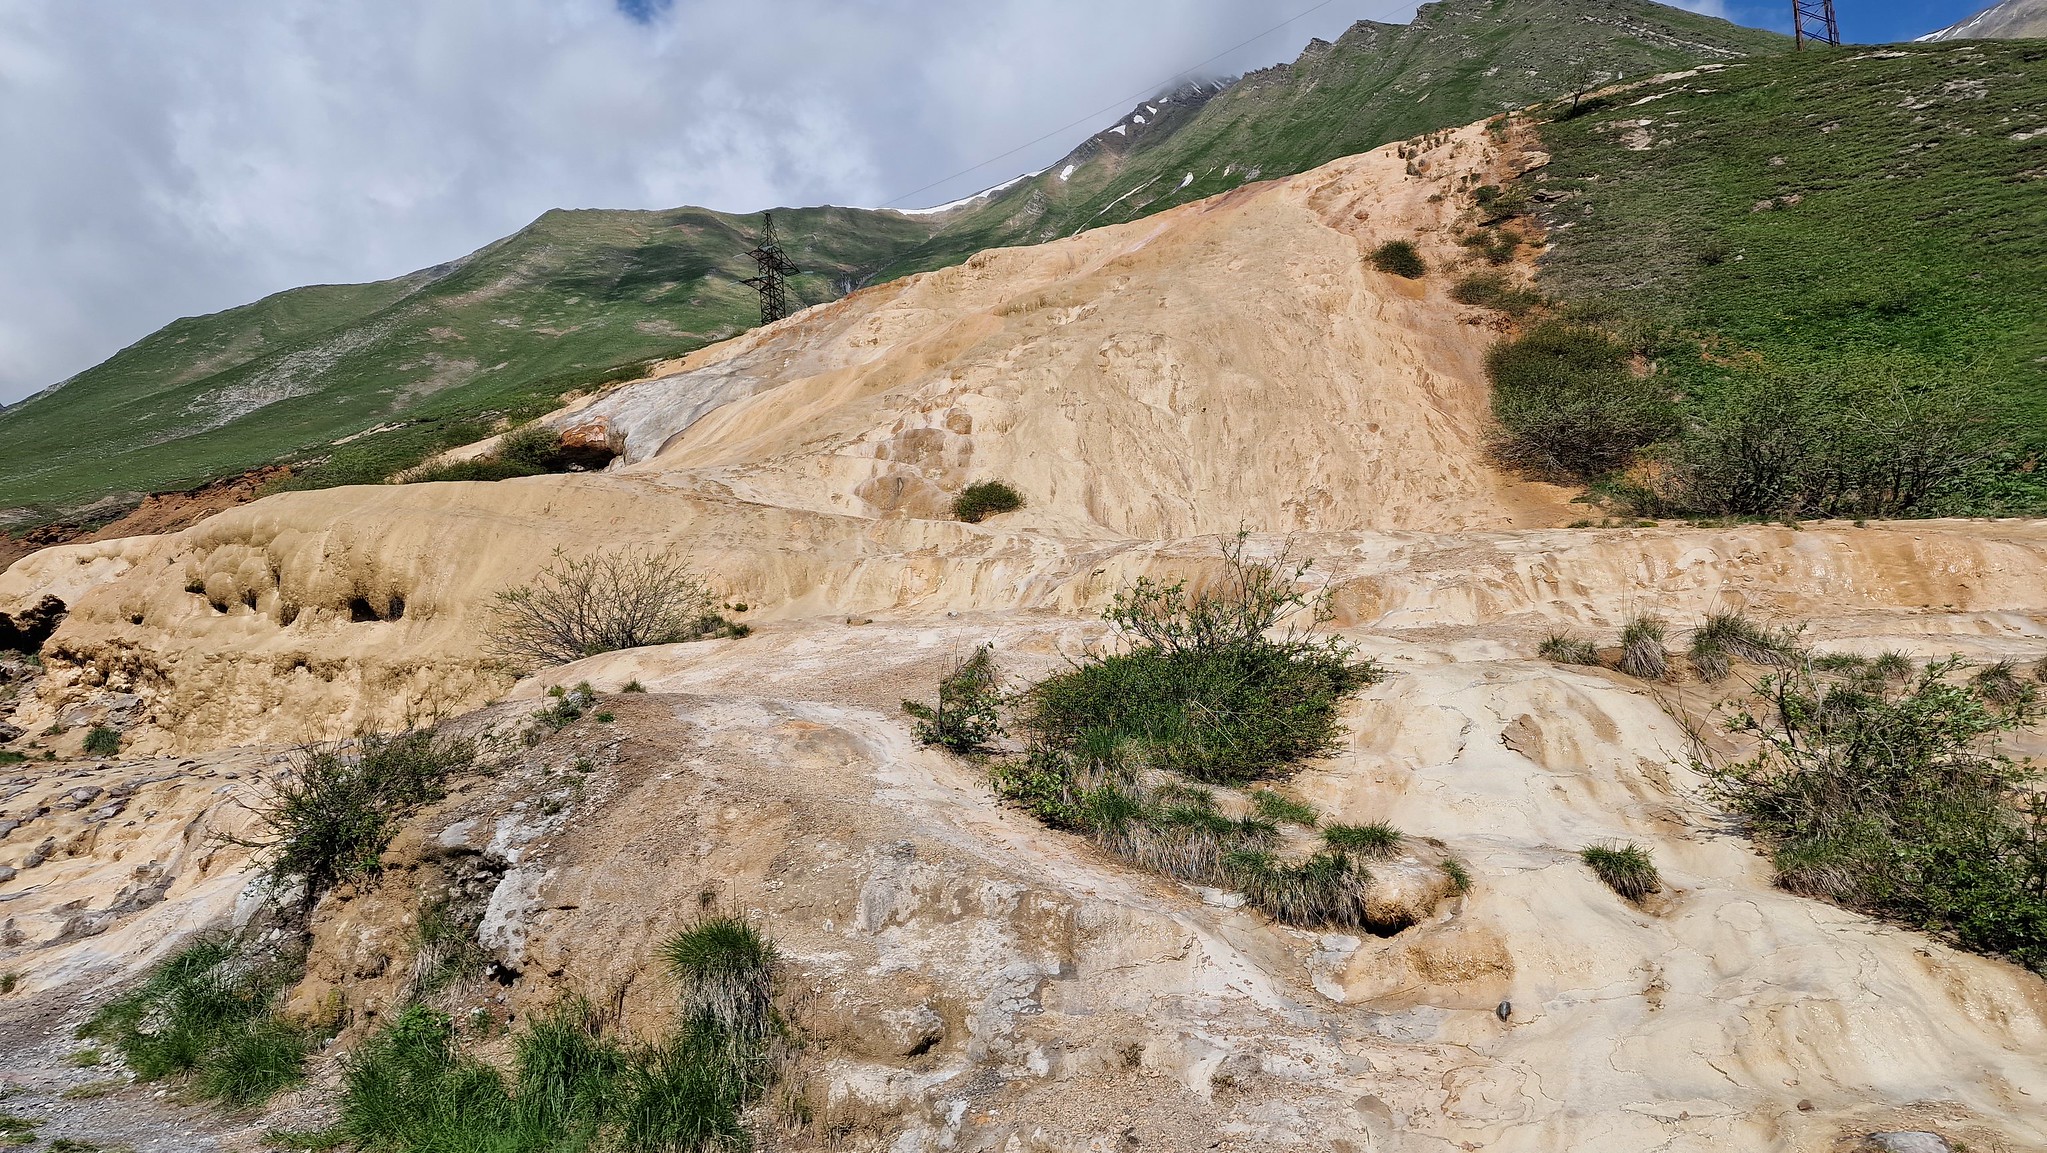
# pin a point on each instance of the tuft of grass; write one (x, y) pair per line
(1626, 869)
(9, 982)
(1459, 874)
(1999, 684)
(84, 1058)
(1326, 888)
(633, 686)
(208, 1011)
(102, 741)
(983, 499)
(1567, 649)
(10, 757)
(1399, 258)
(1377, 839)
(1642, 653)
(94, 1090)
(1279, 808)
(726, 968)
(1725, 637)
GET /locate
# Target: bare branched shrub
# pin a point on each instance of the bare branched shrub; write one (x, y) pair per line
(581, 606)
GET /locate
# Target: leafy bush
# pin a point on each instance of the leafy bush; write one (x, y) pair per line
(1566, 649)
(209, 1010)
(102, 741)
(984, 499)
(329, 820)
(579, 607)
(1122, 747)
(1725, 637)
(412, 1088)
(1568, 403)
(967, 717)
(1399, 258)
(1642, 653)
(1377, 839)
(1893, 798)
(1880, 443)
(1627, 869)
(1489, 289)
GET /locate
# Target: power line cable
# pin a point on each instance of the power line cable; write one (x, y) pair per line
(1111, 107)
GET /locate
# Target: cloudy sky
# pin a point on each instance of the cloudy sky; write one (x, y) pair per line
(166, 158)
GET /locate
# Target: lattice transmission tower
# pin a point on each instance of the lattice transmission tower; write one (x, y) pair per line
(1814, 20)
(774, 267)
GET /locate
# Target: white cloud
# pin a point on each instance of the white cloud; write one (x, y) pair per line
(181, 156)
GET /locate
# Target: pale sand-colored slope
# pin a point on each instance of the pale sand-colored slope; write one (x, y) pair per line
(1230, 363)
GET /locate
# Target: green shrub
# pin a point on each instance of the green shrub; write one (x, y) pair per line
(1627, 870)
(977, 502)
(1122, 747)
(1726, 637)
(1279, 808)
(10, 757)
(1490, 289)
(330, 818)
(1569, 405)
(1642, 652)
(579, 607)
(1399, 258)
(1892, 798)
(1875, 444)
(1566, 649)
(530, 450)
(967, 716)
(209, 1010)
(102, 741)
(1377, 839)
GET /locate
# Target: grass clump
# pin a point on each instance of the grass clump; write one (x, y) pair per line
(574, 1087)
(981, 500)
(1569, 403)
(16, 1130)
(1642, 652)
(1489, 288)
(1892, 797)
(210, 1012)
(581, 606)
(1277, 807)
(967, 716)
(1626, 869)
(1567, 649)
(330, 819)
(102, 741)
(1726, 637)
(1377, 839)
(1399, 258)
(1459, 875)
(1126, 747)
(530, 450)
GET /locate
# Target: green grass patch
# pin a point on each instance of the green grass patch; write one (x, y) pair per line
(413, 1088)
(1833, 258)
(209, 1012)
(1493, 289)
(1377, 839)
(1567, 649)
(102, 741)
(1125, 747)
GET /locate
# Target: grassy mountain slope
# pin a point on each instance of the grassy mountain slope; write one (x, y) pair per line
(1459, 61)
(508, 328)
(2011, 20)
(1848, 214)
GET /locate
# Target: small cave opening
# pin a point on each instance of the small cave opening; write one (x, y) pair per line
(359, 611)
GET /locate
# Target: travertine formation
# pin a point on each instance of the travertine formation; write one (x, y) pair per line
(969, 979)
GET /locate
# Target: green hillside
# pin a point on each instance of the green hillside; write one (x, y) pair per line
(1458, 61)
(1841, 217)
(506, 329)
(579, 296)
